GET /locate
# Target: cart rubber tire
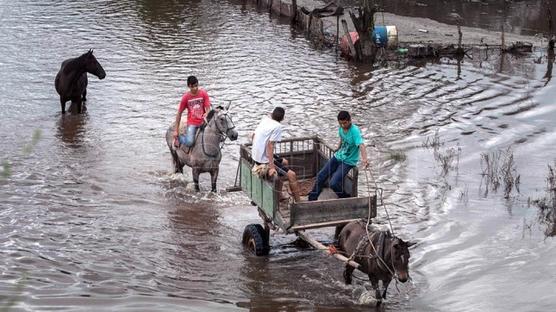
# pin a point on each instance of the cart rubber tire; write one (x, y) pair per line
(255, 239)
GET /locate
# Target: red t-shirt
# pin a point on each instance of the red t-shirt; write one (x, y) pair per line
(195, 105)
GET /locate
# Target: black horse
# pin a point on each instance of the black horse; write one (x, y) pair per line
(71, 80)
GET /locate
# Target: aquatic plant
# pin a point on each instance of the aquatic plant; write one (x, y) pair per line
(26, 150)
(447, 157)
(547, 204)
(6, 169)
(397, 155)
(432, 142)
(499, 167)
(8, 302)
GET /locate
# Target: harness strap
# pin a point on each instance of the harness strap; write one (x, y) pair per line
(381, 251)
(220, 133)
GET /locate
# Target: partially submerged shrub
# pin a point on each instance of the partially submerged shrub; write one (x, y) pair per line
(547, 204)
(447, 157)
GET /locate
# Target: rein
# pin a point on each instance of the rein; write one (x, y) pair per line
(377, 192)
(222, 134)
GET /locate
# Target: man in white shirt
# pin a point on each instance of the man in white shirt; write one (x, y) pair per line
(266, 134)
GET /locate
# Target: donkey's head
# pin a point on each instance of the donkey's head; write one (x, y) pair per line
(93, 66)
(399, 255)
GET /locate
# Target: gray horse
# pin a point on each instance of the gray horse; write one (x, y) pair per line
(71, 81)
(205, 155)
(381, 255)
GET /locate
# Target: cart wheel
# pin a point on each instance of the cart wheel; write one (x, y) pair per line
(256, 240)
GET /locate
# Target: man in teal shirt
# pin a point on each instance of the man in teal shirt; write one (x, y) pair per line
(345, 158)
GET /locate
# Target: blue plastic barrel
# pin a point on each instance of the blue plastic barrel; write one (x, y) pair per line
(380, 36)
(385, 36)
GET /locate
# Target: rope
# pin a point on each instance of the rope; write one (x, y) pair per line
(380, 258)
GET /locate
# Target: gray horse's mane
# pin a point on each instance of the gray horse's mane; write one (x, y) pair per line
(212, 112)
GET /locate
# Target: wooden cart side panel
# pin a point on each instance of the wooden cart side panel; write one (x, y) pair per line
(330, 210)
(260, 191)
(270, 201)
(257, 192)
(245, 177)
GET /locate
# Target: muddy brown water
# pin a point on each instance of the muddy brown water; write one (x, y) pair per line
(92, 218)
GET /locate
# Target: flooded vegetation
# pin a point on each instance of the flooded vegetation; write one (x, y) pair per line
(547, 203)
(498, 168)
(93, 217)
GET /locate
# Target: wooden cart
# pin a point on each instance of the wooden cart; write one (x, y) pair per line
(305, 156)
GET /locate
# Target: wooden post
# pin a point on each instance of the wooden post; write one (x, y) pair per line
(350, 43)
(503, 44)
(460, 35)
(294, 11)
(337, 32)
(320, 246)
(550, 27)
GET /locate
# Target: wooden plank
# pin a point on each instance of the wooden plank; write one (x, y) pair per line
(304, 213)
(323, 248)
(321, 225)
(270, 202)
(245, 181)
(257, 190)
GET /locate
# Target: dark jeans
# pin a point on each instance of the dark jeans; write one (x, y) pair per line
(335, 170)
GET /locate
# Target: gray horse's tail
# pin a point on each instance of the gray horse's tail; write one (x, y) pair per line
(175, 160)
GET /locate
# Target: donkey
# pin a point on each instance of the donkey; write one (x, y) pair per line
(206, 154)
(71, 80)
(380, 255)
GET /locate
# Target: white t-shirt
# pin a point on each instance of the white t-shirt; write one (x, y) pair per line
(267, 130)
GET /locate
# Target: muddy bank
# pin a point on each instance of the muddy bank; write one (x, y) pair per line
(420, 34)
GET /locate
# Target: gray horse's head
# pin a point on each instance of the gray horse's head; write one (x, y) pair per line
(224, 123)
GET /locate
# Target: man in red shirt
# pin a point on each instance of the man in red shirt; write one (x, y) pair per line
(197, 103)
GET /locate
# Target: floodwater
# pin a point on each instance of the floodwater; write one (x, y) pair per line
(93, 219)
